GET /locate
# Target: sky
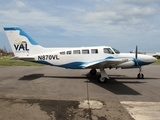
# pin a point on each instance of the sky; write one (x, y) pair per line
(121, 24)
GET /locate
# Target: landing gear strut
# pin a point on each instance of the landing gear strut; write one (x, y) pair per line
(103, 77)
(140, 75)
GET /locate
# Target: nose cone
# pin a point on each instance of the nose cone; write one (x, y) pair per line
(153, 59)
(147, 59)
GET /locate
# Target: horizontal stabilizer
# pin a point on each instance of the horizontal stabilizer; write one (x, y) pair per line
(24, 58)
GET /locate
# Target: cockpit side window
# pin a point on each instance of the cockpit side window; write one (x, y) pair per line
(116, 51)
(108, 51)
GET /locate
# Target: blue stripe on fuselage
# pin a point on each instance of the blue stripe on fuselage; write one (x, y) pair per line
(72, 65)
(43, 62)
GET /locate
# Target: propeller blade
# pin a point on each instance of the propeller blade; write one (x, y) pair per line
(136, 52)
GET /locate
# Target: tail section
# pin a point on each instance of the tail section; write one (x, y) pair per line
(21, 43)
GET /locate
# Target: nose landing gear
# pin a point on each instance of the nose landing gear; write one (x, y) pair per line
(140, 74)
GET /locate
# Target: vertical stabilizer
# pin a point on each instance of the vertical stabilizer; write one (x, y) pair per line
(21, 43)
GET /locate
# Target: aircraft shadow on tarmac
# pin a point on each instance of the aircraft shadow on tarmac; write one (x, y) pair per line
(116, 84)
(117, 87)
(36, 76)
(31, 77)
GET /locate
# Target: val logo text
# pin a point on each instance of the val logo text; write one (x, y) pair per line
(22, 46)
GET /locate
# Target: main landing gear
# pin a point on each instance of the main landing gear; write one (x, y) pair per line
(93, 72)
(140, 74)
(102, 78)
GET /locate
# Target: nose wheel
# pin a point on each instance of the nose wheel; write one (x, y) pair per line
(140, 74)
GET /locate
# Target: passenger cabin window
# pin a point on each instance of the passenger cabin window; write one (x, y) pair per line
(76, 51)
(69, 52)
(85, 51)
(94, 51)
(108, 50)
(62, 53)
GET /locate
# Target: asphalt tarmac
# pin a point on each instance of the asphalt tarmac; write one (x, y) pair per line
(52, 93)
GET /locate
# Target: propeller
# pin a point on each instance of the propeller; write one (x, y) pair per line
(136, 52)
(136, 56)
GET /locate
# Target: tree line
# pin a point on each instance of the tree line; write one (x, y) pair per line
(4, 52)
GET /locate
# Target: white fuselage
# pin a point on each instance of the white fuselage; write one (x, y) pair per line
(74, 58)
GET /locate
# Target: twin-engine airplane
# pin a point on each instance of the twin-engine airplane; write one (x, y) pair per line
(100, 57)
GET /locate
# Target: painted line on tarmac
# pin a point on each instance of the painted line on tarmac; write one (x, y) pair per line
(143, 110)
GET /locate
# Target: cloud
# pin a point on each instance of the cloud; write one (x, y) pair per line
(101, 16)
(143, 12)
(73, 9)
(35, 18)
(18, 13)
(90, 22)
(125, 14)
(20, 4)
(141, 2)
(76, 19)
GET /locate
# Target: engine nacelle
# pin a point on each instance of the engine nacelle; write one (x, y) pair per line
(126, 64)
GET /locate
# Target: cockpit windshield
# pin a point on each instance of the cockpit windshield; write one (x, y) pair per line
(116, 51)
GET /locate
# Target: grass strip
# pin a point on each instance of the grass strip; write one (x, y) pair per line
(18, 63)
(157, 62)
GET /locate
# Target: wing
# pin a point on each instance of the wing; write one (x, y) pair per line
(106, 63)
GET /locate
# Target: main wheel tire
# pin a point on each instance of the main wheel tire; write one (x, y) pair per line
(140, 76)
(101, 79)
(93, 72)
